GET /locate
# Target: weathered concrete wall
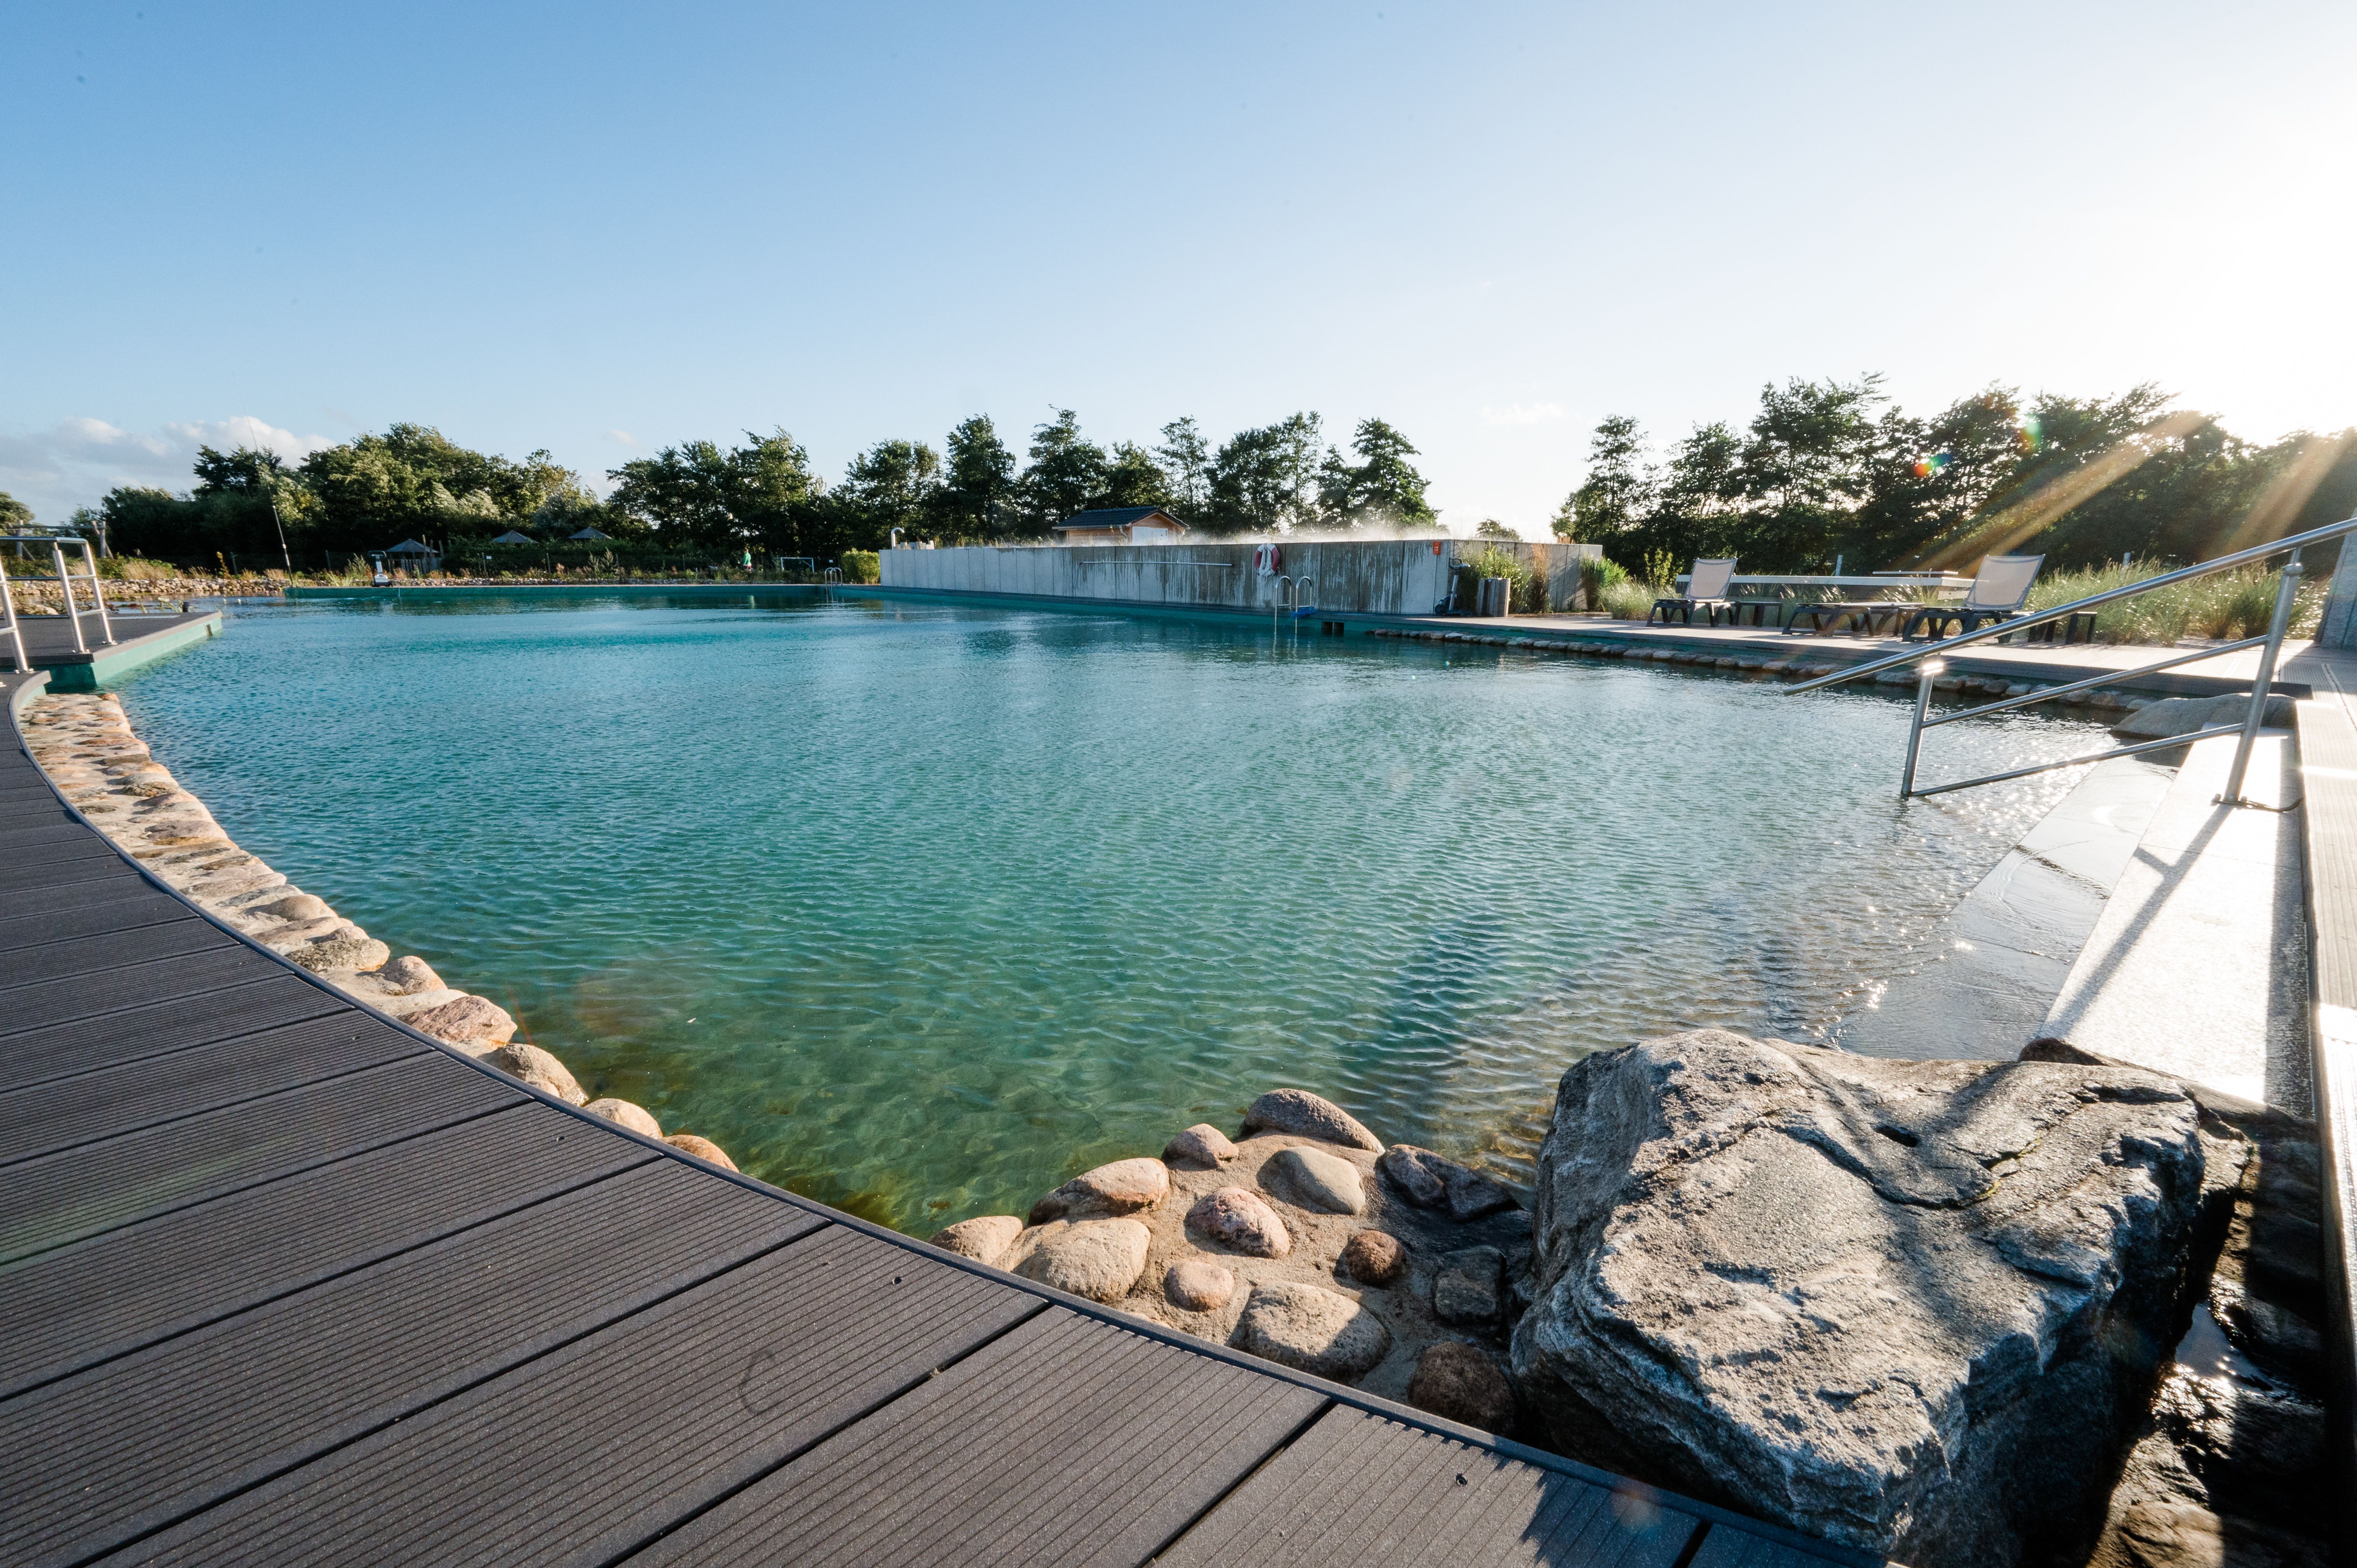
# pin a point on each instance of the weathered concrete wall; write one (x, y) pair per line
(1380, 577)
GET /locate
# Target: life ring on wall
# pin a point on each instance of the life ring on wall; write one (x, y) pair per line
(1268, 559)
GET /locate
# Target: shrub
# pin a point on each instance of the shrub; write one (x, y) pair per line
(1629, 599)
(1599, 575)
(861, 566)
(1529, 590)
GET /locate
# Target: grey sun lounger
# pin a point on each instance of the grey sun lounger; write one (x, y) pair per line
(1999, 590)
(1705, 591)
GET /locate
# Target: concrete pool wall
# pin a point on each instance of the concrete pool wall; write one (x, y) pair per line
(1367, 576)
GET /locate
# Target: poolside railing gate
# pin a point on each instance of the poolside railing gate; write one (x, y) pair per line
(1930, 666)
(65, 582)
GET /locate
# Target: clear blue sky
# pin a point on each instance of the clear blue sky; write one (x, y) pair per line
(600, 230)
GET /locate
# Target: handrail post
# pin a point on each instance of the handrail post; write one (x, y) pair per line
(1925, 673)
(2285, 591)
(65, 586)
(15, 632)
(98, 595)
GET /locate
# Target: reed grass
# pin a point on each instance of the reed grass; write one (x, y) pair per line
(2223, 606)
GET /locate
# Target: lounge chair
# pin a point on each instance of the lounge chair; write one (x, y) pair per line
(1705, 591)
(1999, 590)
(1860, 612)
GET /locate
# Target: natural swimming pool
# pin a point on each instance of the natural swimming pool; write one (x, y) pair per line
(918, 910)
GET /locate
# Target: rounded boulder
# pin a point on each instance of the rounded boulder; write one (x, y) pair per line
(1462, 1382)
(530, 1065)
(1198, 1286)
(1099, 1259)
(1320, 1332)
(1200, 1147)
(1306, 1115)
(1239, 1219)
(1125, 1187)
(1374, 1257)
(1314, 1179)
(984, 1237)
(701, 1148)
(624, 1114)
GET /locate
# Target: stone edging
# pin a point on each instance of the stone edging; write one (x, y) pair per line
(84, 742)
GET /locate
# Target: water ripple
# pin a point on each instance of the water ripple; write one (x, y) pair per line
(921, 909)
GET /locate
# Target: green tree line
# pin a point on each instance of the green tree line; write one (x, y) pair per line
(762, 496)
(1833, 470)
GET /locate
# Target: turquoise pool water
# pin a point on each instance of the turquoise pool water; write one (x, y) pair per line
(919, 909)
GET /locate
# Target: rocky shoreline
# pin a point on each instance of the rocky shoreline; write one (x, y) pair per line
(1923, 1309)
(85, 743)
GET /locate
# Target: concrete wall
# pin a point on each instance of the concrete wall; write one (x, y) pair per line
(1378, 577)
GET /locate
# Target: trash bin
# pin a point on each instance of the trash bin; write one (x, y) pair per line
(1497, 597)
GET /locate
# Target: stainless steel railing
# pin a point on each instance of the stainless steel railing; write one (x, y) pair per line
(1930, 666)
(64, 580)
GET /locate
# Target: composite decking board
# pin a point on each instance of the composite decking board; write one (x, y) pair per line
(82, 1305)
(17, 839)
(95, 1461)
(188, 977)
(28, 875)
(128, 911)
(1067, 1441)
(161, 1028)
(27, 859)
(109, 889)
(52, 1199)
(90, 1106)
(1357, 1488)
(578, 1455)
(141, 944)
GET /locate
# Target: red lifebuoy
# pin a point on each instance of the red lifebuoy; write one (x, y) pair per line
(1268, 559)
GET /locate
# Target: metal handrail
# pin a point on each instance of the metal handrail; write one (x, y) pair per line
(64, 581)
(1930, 666)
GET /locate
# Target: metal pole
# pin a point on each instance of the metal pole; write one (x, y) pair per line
(2285, 593)
(15, 632)
(282, 533)
(97, 594)
(1925, 673)
(65, 586)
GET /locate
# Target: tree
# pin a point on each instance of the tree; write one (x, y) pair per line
(891, 485)
(1066, 471)
(1134, 478)
(15, 515)
(1490, 527)
(1381, 490)
(978, 484)
(1188, 462)
(1265, 480)
(1619, 487)
(696, 493)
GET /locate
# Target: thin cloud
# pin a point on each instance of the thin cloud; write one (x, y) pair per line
(76, 461)
(1523, 414)
(627, 439)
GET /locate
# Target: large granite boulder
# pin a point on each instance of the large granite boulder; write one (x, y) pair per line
(1911, 1308)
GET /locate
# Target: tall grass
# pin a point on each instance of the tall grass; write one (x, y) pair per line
(2224, 607)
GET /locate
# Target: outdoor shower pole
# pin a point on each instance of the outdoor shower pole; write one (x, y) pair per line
(1925, 673)
(2284, 592)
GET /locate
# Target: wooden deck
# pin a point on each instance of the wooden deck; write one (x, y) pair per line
(285, 1281)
